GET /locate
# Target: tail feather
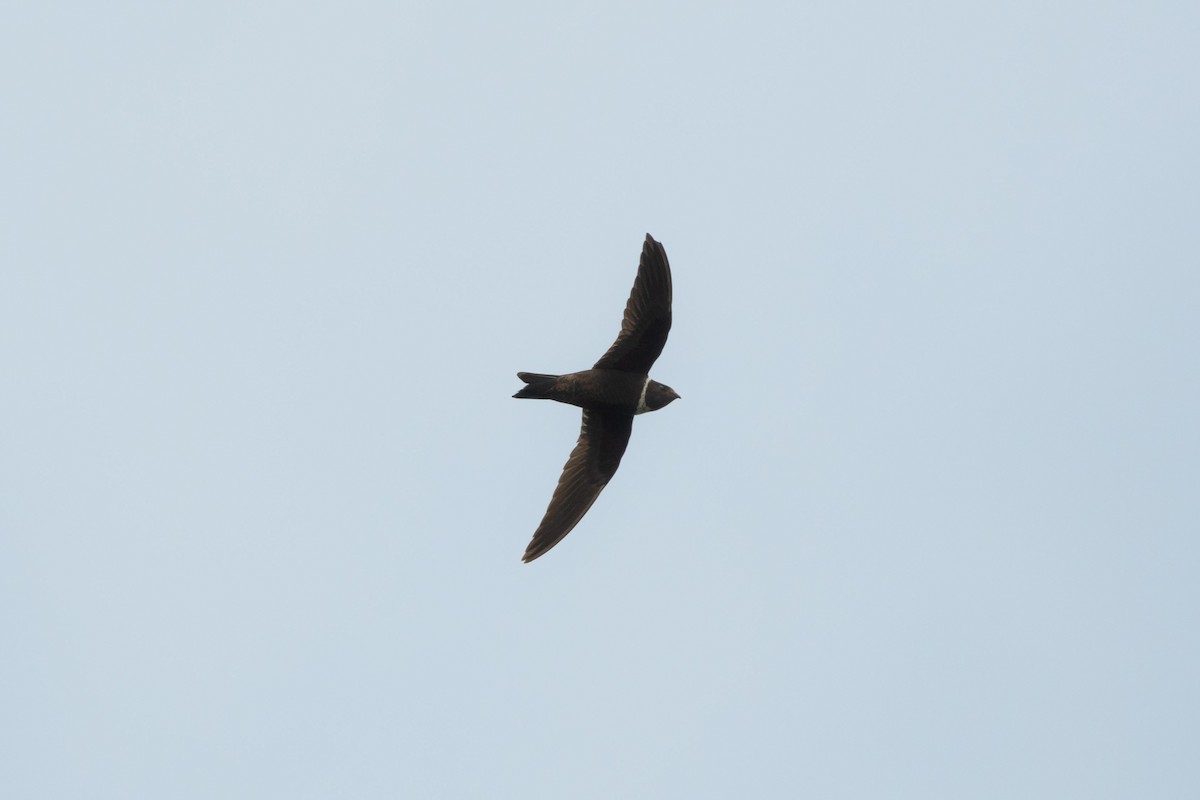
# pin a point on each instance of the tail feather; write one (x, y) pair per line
(537, 386)
(536, 377)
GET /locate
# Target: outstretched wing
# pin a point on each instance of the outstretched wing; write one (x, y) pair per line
(647, 315)
(602, 440)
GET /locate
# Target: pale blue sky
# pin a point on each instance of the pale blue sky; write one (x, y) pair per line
(924, 524)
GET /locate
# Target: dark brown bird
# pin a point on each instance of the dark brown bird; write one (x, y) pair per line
(616, 388)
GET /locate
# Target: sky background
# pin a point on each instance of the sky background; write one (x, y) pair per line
(924, 524)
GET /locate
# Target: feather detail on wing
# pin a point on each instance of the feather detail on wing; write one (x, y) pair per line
(647, 319)
(602, 441)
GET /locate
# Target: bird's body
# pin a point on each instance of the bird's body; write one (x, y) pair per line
(608, 390)
(610, 393)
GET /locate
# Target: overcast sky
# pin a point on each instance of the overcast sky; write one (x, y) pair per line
(924, 524)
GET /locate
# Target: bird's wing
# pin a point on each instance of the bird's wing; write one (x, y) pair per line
(647, 315)
(602, 440)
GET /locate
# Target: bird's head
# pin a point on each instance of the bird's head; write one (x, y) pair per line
(659, 395)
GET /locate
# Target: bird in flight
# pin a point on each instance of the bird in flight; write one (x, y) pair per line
(616, 388)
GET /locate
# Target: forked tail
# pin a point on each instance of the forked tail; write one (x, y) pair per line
(537, 385)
